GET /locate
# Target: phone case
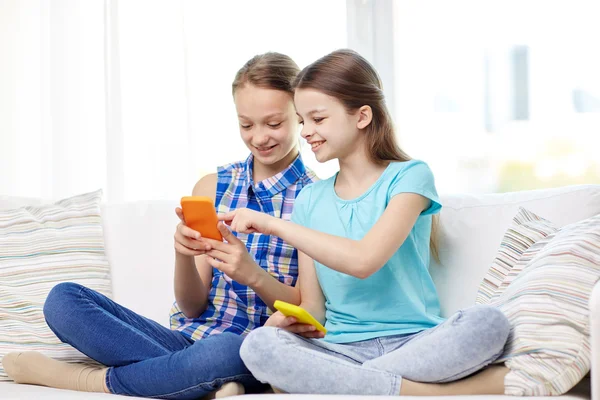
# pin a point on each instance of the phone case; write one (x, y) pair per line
(303, 316)
(200, 215)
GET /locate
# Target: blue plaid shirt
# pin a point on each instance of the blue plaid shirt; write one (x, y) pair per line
(233, 307)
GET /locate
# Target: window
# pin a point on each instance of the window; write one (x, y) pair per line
(499, 95)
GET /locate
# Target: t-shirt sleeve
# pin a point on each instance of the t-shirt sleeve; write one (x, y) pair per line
(416, 177)
(301, 206)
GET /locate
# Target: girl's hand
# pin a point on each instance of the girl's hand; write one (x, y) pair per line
(186, 239)
(289, 324)
(244, 220)
(232, 258)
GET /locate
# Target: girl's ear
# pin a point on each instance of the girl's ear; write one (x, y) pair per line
(365, 116)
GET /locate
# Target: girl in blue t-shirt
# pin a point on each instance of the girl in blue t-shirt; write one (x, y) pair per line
(364, 249)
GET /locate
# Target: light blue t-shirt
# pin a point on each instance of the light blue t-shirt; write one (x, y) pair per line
(400, 298)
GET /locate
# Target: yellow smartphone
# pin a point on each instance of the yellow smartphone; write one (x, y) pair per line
(301, 315)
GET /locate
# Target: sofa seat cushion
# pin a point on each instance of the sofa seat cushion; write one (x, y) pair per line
(12, 391)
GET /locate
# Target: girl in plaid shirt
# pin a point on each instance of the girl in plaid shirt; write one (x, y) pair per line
(219, 297)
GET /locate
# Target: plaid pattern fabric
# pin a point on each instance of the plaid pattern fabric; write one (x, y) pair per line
(233, 307)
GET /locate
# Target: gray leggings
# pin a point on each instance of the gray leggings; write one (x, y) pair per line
(463, 344)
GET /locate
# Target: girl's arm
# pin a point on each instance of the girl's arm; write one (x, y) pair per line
(358, 258)
(313, 301)
(193, 274)
(270, 289)
(233, 259)
(311, 295)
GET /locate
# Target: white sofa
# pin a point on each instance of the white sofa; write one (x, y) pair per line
(139, 245)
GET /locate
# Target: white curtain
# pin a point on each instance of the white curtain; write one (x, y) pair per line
(52, 97)
(135, 96)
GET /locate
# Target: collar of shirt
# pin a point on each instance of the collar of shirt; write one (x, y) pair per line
(276, 184)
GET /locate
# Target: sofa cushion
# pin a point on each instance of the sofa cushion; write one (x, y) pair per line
(139, 243)
(42, 246)
(525, 230)
(139, 246)
(546, 301)
(472, 227)
(14, 391)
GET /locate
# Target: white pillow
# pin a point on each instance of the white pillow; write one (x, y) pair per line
(41, 246)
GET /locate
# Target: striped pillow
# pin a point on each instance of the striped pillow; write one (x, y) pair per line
(526, 229)
(548, 350)
(40, 247)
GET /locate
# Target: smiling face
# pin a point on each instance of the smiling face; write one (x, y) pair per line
(330, 130)
(268, 124)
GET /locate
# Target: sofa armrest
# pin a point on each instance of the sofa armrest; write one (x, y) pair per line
(595, 341)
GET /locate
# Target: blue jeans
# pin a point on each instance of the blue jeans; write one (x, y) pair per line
(145, 358)
(464, 343)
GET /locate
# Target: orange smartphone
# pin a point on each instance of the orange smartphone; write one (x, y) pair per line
(200, 214)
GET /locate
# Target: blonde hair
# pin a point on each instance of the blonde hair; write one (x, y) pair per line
(269, 71)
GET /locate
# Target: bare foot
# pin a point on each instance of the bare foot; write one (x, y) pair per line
(230, 389)
(278, 391)
(488, 381)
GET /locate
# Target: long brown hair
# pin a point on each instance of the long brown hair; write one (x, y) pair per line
(268, 71)
(348, 77)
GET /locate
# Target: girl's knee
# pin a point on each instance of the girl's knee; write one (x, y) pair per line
(493, 325)
(499, 321)
(493, 318)
(229, 344)
(58, 301)
(258, 348)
